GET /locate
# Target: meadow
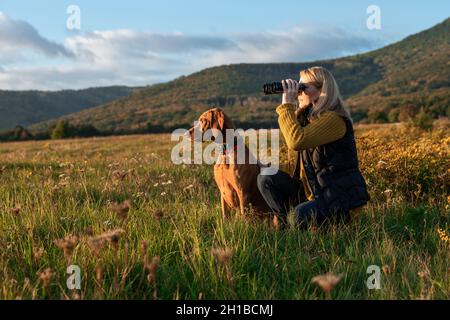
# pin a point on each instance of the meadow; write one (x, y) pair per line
(140, 227)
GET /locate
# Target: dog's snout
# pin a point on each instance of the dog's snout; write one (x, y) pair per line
(190, 133)
(194, 135)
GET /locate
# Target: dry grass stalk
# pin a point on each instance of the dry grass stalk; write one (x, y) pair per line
(67, 244)
(386, 269)
(158, 214)
(327, 282)
(16, 210)
(45, 276)
(152, 268)
(96, 244)
(222, 255)
(113, 236)
(120, 174)
(38, 253)
(121, 209)
(144, 248)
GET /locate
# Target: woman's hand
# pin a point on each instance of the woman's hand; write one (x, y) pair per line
(290, 91)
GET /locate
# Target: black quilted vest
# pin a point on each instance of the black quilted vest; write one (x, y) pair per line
(333, 173)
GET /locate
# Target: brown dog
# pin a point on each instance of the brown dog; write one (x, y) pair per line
(236, 182)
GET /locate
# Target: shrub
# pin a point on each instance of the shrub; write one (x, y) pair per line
(62, 130)
(422, 120)
(378, 117)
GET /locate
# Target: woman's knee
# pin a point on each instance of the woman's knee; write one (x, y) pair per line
(264, 182)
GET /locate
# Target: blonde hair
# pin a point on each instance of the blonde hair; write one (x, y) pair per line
(330, 99)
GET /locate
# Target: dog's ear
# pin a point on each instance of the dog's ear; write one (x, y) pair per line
(223, 122)
(220, 118)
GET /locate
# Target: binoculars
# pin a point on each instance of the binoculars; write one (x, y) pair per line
(277, 88)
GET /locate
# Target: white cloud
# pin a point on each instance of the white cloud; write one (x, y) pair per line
(19, 38)
(298, 45)
(128, 57)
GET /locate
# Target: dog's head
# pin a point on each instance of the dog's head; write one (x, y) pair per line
(211, 119)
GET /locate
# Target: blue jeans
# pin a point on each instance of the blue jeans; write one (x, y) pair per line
(281, 191)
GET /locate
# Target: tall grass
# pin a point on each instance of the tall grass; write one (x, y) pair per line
(140, 227)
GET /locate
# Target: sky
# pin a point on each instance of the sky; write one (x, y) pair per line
(137, 42)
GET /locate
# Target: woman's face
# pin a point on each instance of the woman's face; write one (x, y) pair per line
(309, 96)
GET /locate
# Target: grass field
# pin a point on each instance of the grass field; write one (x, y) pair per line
(140, 227)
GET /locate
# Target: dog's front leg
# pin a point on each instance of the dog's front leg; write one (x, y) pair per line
(242, 202)
(225, 209)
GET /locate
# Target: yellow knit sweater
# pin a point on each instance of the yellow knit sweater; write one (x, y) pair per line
(327, 128)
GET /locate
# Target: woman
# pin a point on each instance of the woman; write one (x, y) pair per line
(326, 182)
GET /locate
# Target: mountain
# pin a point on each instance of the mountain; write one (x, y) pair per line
(28, 107)
(415, 74)
(388, 84)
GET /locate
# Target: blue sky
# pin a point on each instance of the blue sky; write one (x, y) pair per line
(137, 42)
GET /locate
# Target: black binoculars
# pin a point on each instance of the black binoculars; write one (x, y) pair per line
(277, 88)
